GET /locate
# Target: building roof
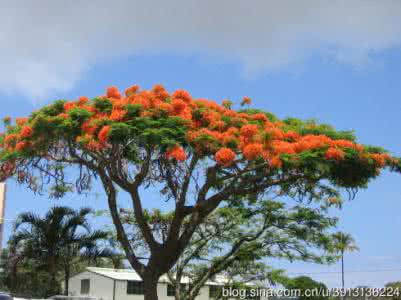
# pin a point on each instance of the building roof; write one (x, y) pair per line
(117, 274)
(129, 274)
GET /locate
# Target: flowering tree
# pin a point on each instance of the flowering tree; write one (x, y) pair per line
(197, 152)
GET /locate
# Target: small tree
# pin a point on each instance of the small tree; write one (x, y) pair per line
(57, 241)
(393, 290)
(23, 277)
(305, 283)
(343, 243)
(198, 153)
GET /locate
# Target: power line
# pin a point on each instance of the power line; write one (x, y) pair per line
(351, 271)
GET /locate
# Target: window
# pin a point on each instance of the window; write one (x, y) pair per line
(85, 286)
(215, 291)
(135, 288)
(171, 290)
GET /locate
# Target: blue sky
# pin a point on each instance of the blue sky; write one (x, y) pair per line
(349, 77)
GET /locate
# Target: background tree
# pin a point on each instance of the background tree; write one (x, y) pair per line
(394, 290)
(236, 243)
(22, 277)
(56, 242)
(198, 153)
(343, 243)
(303, 283)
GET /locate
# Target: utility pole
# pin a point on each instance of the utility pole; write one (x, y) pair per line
(2, 209)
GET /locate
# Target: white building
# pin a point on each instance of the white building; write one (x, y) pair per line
(123, 284)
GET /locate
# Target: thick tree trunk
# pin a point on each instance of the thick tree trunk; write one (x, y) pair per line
(150, 286)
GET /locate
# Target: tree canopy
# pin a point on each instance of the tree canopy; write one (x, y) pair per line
(177, 126)
(198, 153)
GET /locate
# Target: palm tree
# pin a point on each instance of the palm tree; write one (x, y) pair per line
(58, 240)
(343, 243)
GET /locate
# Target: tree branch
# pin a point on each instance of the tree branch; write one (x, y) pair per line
(121, 235)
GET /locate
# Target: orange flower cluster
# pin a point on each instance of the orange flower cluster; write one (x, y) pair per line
(211, 129)
(380, 158)
(249, 131)
(11, 138)
(20, 146)
(227, 103)
(253, 151)
(335, 154)
(246, 101)
(104, 134)
(225, 157)
(21, 121)
(69, 105)
(26, 131)
(177, 153)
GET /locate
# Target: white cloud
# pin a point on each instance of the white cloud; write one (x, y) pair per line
(47, 46)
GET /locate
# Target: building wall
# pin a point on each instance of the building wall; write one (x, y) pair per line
(100, 287)
(203, 293)
(121, 292)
